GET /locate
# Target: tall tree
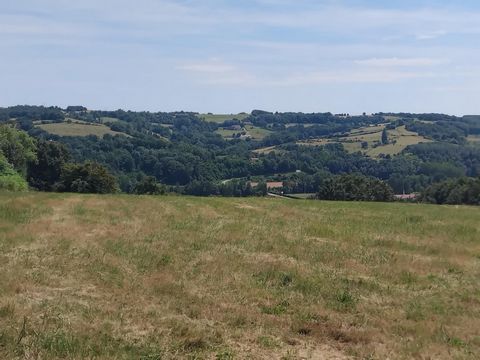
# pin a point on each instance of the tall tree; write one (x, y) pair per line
(17, 147)
(384, 136)
(89, 177)
(46, 171)
(9, 178)
(355, 188)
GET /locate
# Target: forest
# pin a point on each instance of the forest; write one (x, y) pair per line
(182, 152)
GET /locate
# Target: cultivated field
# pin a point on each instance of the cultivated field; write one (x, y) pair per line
(267, 150)
(399, 139)
(475, 139)
(256, 133)
(125, 277)
(78, 128)
(220, 118)
(107, 119)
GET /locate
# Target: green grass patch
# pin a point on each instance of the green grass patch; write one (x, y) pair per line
(220, 118)
(78, 129)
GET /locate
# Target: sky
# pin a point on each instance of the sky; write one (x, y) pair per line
(221, 56)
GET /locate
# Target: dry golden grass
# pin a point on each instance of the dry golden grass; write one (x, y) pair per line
(125, 277)
(475, 139)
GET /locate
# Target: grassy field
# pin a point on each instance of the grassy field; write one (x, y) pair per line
(267, 150)
(125, 277)
(399, 139)
(220, 118)
(227, 133)
(368, 130)
(106, 119)
(474, 139)
(255, 132)
(78, 128)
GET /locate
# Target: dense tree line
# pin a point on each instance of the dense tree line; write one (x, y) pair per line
(354, 187)
(32, 113)
(232, 188)
(180, 162)
(454, 191)
(45, 165)
(180, 152)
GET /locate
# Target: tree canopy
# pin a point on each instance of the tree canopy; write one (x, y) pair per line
(355, 188)
(17, 147)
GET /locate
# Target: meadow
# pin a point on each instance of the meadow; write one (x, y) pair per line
(256, 133)
(78, 128)
(474, 139)
(220, 118)
(399, 139)
(145, 277)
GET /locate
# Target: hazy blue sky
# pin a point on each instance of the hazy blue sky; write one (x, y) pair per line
(229, 56)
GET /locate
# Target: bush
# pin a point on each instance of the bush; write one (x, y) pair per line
(46, 171)
(149, 186)
(355, 188)
(9, 179)
(17, 147)
(89, 177)
(459, 191)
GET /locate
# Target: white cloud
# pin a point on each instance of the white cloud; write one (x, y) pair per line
(351, 76)
(208, 67)
(431, 35)
(276, 45)
(217, 72)
(401, 62)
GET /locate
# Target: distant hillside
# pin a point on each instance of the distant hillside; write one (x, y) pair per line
(195, 153)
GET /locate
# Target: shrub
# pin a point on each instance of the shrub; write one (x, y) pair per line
(17, 147)
(89, 177)
(355, 188)
(9, 179)
(149, 186)
(459, 191)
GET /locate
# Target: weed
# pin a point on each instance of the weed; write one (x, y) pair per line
(226, 354)
(278, 309)
(267, 342)
(345, 300)
(7, 310)
(415, 311)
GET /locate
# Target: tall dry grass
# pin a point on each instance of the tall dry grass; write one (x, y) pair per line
(124, 277)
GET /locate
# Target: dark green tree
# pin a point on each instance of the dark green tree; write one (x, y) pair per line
(10, 179)
(17, 147)
(46, 171)
(149, 186)
(384, 136)
(89, 177)
(458, 191)
(355, 188)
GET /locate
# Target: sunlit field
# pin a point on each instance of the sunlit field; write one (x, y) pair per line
(126, 277)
